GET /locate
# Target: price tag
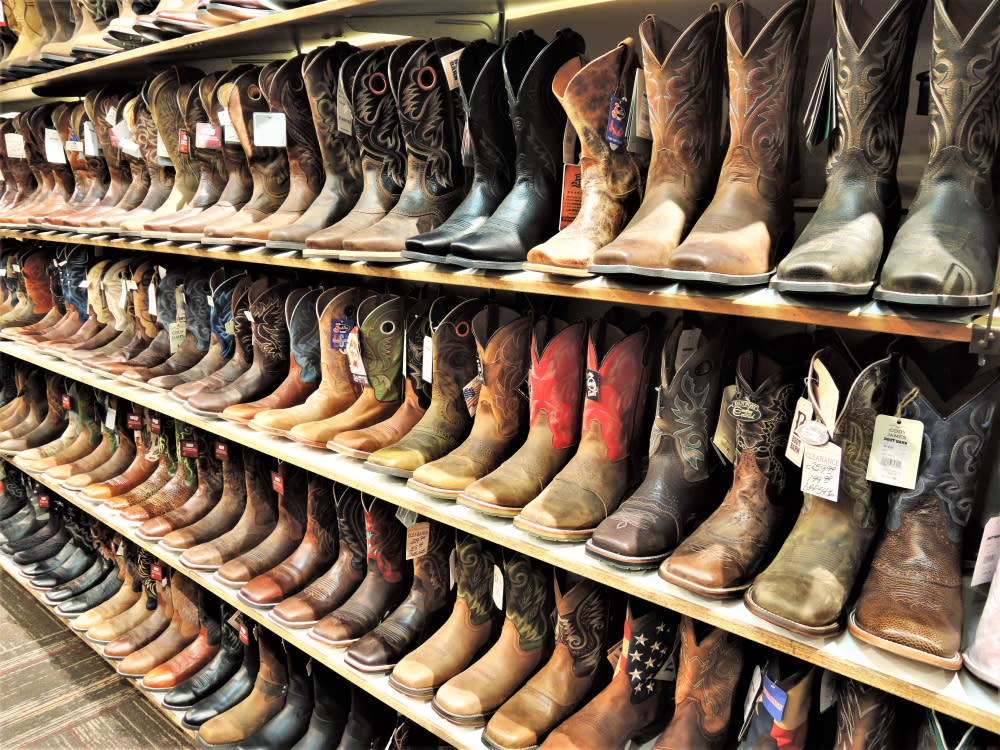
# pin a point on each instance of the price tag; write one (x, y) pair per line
(638, 133)
(989, 553)
(427, 365)
(354, 361)
(134, 421)
(74, 147)
(724, 439)
(498, 587)
(821, 471)
(3, 18)
(827, 691)
(110, 417)
(340, 330)
(54, 152)
(183, 141)
(43, 501)
(162, 155)
(277, 482)
(418, 537)
(235, 621)
(155, 425)
(122, 131)
(151, 296)
(248, 315)
(129, 147)
(450, 64)
(269, 129)
(231, 327)
(177, 330)
(774, 698)
(471, 393)
(687, 345)
(189, 448)
(752, 693)
(406, 516)
(451, 569)
(66, 401)
(91, 147)
(207, 135)
(895, 454)
(803, 413)
(244, 634)
(221, 450)
(156, 572)
(345, 117)
(618, 111)
(111, 116)
(14, 144)
(827, 394)
(572, 195)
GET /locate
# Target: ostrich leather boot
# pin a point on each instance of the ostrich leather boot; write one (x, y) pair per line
(566, 679)
(503, 337)
(447, 421)
(331, 589)
(384, 586)
(160, 451)
(681, 481)
(982, 657)
(806, 586)
(182, 630)
(590, 487)
(158, 602)
(749, 222)
(182, 484)
(196, 654)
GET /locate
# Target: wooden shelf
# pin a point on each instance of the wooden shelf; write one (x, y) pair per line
(760, 303)
(960, 694)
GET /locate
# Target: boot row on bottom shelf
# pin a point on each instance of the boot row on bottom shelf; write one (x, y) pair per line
(558, 682)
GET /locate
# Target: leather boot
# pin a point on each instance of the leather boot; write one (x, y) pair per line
(941, 732)
(794, 679)
(255, 524)
(55, 422)
(120, 328)
(182, 630)
(749, 222)
(303, 374)
(446, 421)
(384, 585)
(982, 656)
(612, 177)
(292, 721)
(74, 600)
(92, 19)
(38, 296)
(419, 613)
(330, 590)
(197, 654)
(324, 73)
(98, 449)
(470, 697)
(139, 468)
(707, 673)
(313, 555)
(233, 690)
(337, 312)
(502, 340)
(369, 723)
(491, 148)
(74, 440)
(154, 330)
(566, 679)
(434, 173)
(630, 705)
(26, 23)
(330, 710)
(681, 481)
(921, 544)
(126, 597)
(102, 329)
(182, 485)
(375, 122)
(137, 333)
(842, 246)
(117, 626)
(218, 670)
(595, 480)
(157, 436)
(866, 717)
(158, 603)
(25, 419)
(526, 216)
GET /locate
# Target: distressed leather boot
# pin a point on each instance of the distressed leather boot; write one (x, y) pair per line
(216, 672)
(313, 555)
(566, 679)
(434, 174)
(157, 439)
(180, 633)
(502, 338)
(590, 487)
(446, 421)
(681, 480)
(842, 246)
(85, 435)
(37, 299)
(631, 703)
(139, 468)
(384, 586)
(794, 679)
(982, 657)
(151, 293)
(157, 588)
(491, 148)
(684, 73)
(196, 654)
(331, 589)
(807, 584)
(921, 544)
(707, 673)
(749, 222)
(181, 486)
(471, 697)
(375, 122)
(98, 449)
(419, 613)
(612, 177)
(526, 216)
(866, 717)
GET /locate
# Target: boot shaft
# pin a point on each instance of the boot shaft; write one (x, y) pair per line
(303, 332)
(268, 166)
(73, 273)
(474, 564)
(528, 599)
(556, 379)
(417, 329)
(221, 319)
(211, 168)
(380, 333)
(351, 526)
(323, 79)
(287, 94)
(582, 625)
(455, 362)
(487, 114)
(337, 310)
(164, 98)
(503, 339)
(376, 122)
(197, 312)
(650, 641)
(238, 180)
(386, 539)
(270, 329)
(242, 328)
(321, 515)
(293, 499)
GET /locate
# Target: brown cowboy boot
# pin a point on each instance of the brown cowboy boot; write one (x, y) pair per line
(180, 633)
(181, 486)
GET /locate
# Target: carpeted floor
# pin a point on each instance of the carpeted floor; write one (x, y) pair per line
(56, 692)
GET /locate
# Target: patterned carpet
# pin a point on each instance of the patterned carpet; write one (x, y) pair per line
(56, 692)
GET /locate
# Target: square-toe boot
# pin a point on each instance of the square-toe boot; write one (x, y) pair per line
(19, 178)
(107, 630)
(490, 148)
(77, 323)
(375, 123)
(921, 545)
(808, 583)
(180, 633)
(447, 420)
(708, 671)
(156, 438)
(138, 330)
(97, 449)
(98, 175)
(794, 679)
(331, 707)
(682, 476)
(313, 556)
(220, 668)
(749, 223)
(108, 585)
(503, 338)
(57, 319)
(324, 73)
(123, 450)
(87, 42)
(196, 654)
(126, 597)
(346, 538)
(32, 411)
(158, 602)
(182, 485)
(612, 177)
(842, 246)
(304, 372)
(51, 427)
(566, 679)
(723, 554)
(144, 288)
(37, 298)
(113, 309)
(132, 420)
(291, 723)
(418, 614)
(634, 699)
(100, 328)
(982, 657)
(52, 208)
(435, 177)
(865, 717)
(472, 696)
(593, 483)
(75, 441)
(384, 586)
(237, 686)
(26, 23)
(121, 32)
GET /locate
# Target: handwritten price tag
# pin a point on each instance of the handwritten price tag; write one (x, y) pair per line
(821, 471)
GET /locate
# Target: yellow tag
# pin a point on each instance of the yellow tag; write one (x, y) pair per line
(177, 332)
(803, 413)
(895, 454)
(725, 430)
(821, 471)
(418, 538)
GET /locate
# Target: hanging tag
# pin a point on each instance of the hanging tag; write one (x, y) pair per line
(155, 426)
(151, 296)
(989, 553)
(43, 501)
(418, 537)
(224, 118)
(269, 129)
(248, 315)
(427, 365)
(345, 117)
(123, 133)
(210, 301)
(592, 383)
(617, 120)
(406, 516)
(724, 438)
(687, 345)
(14, 144)
(3, 18)
(450, 64)
(467, 160)
(129, 147)
(471, 393)
(74, 147)
(572, 195)
(744, 410)
(821, 471)
(827, 691)
(820, 117)
(156, 572)
(668, 672)
(235, 621)
(498, 587)
(133, 421)
(231, 327)
(451, 569)
(244, 634)
(189, 448)
(638, 135)
(277, 482)
(207, 135)
(111, 116)
(66, 401)
(753, 692)
(803, 413)
(183, 141)
(354, 361)
(774, 698)
(54, 152)
(827, 395)
(221, 450)
(91, 146)
(340, 330)
(109, 418)
(895, 454)
(120, 552)
(177, 330)
(162, 155)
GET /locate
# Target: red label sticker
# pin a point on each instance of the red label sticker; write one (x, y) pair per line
(189, 448)
(2, 485)
(278, 483)
(244, 634)
(207, 135)
(183, 142)
(66, 402)
(156, 572)
(134, 422)
(43, 501)
(572, 195)
(221, 451)
(115, 142)
(154, 425)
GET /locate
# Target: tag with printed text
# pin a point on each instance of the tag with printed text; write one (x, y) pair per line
(803, 413)
(895, 454)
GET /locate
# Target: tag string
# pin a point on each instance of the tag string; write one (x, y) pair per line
(908, 399)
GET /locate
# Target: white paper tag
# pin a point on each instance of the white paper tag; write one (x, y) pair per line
(177, 331)
(989, 553)
(111, 116)
(821, 471)
(210, 301)
(451, 569)
(269, 129)
(90, 145)
(755, 683)
(229, 134)
(827, 394)
(74, 147)
(895, 454)
(354, 361)
(248, 315)
(151, 295)
(130, 147)
(724, 439)
(109, 418)
(224, 118)
(641, 120)
(124, 133)
(827, 691)
(15, 145)
(123, 297)
(450, 65)
(418, 537)
(162, 155)
(54, 152)
(427, 366)
(498, 587)
(345, 118)
(406, 516)
(82, 285)
(803, 413)
(687, 345)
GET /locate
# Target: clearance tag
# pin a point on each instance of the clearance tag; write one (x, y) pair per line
(498, 587)
(821, 471)
(269, 129)
(572, 195)
(427, 365)
(418, 538)
(155, 425)
(345, 118)
(803, 414)
(177, 330)
(406, 516)
(989, 553)
(354, 361)
(895, 453)
(827, 394)
(207, 135)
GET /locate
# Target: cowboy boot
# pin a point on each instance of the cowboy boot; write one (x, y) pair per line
(63, 26)
(87, 42)
(941, 732)
(55, 422)
(154, 465)
(330, 710)
(35, 460)
(470, 697)
(292, 721)
(525, 217)
(921, 545)
(100, 328)
(122, 32)
(612, 176)
(180, 633)
(112, 309)
(237, 687)
(38, 295)
(866, 717)
(447, 420)
(502, 338)
(593, 483)
(157, 588)
(98, 448)
(219, 669)
(126, 597)
(330, 590)
(749, 222)
(123, 449)
(25, 21)
(47, 214)
(143, 608)
(840, 249)
(196, 654)
(148, 289)
(181, 486)
(138, 331)
(982, 657)
(794, 679)
(58, 319)
(434, 173)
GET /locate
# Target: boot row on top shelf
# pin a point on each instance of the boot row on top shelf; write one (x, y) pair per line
(365, 159)
(541, 420)
(484, 656)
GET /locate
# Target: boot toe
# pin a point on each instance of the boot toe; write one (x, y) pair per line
(261, 591)
(369, 651)
(178, 539)
(457, 700)
(490, 243)
(276, 419)
(135, 514)
(563, 253)
(202, 556)
(332, 628)
(159, 678)
(706, 569)
(235, 573)
(93, 491)
(812, 603)
(294, 611)
(241, 412)
(180, 696)
(398, 457)
(506, 730)
(449, 473)
(414, 674)
(154, 528)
